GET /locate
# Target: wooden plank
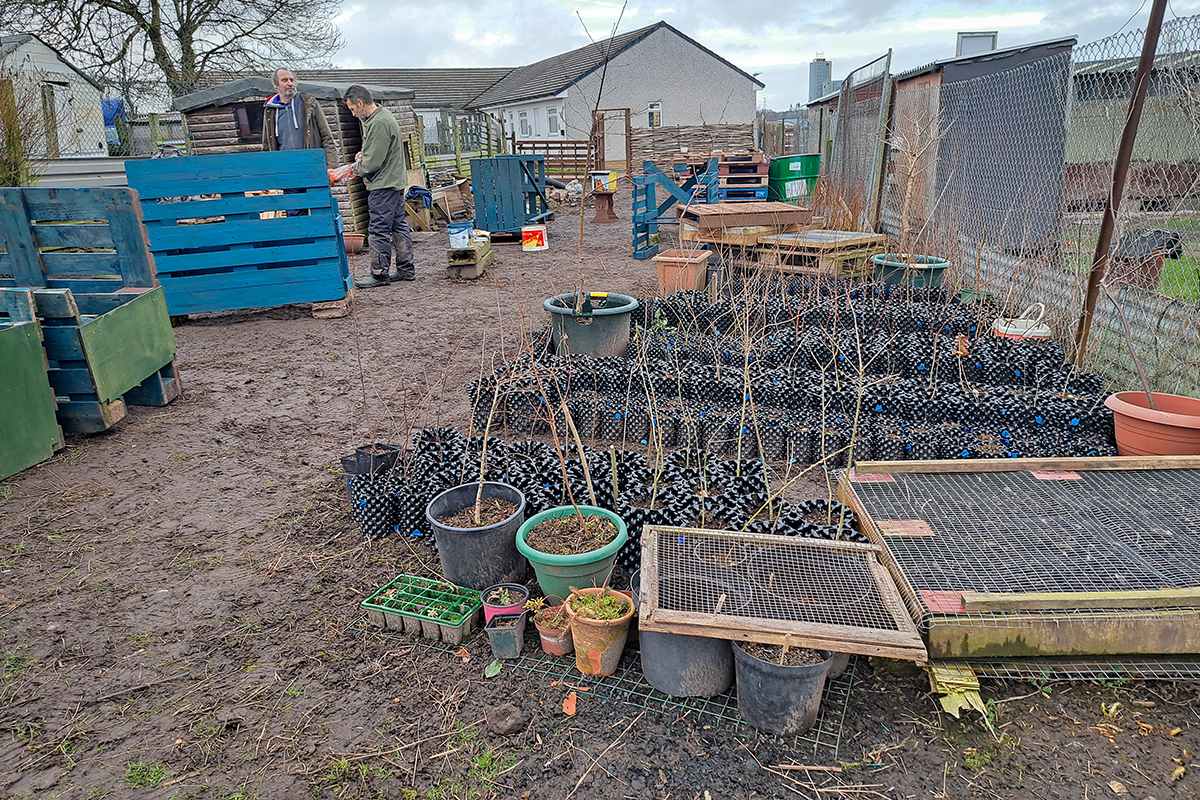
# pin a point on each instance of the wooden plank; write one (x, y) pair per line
(87, 235)
(1092, 633)
(250, 231)
(254, 289)
(31, 432)
(824, 241)
(22, 257)
(1031, 464)
(1041, 601)
(17, 305)
(89, 415)
(62, 342)
(157, 390)
(128, 344)
(84, 264)
(72, 380)
(220, 261)
(159, 174)
(56, 304)
(230, 203)
(818, 640)
(736, 215)
(125, 224)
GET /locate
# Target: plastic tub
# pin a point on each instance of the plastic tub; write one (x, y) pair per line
(683, 666)
(791, 179)
(779, 699)
(460, 234)
(909, 269)
(603, 333)
(478, 557)
(533, 238)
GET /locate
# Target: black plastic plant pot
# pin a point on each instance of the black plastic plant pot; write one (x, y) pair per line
(373, 459)
(683, 666)
(506, 632)
(478, 557)
(779, 699)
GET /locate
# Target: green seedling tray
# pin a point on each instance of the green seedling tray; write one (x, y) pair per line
(402, 604)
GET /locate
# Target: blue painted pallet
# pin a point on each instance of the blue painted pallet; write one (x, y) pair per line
(213, 249)
(733, 193)
(648, 214)
(85, 240)
(510, 192)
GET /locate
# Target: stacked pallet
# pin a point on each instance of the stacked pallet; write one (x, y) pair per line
(743, 176)
(836, 254)
(736, 228)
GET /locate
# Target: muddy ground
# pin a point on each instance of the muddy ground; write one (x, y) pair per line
(176, 595)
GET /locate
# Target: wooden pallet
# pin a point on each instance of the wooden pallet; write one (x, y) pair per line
(718, 216)
(241, 260)
(743, 181)
(743, 168)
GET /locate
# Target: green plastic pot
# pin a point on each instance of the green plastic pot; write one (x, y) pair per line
(556, 574)
(909, 269)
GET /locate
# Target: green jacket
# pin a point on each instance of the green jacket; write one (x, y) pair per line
(382, 165)
(316, 129)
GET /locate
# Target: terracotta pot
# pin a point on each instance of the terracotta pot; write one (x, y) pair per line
(354, 242)
(599, 642)
(556, 641)
(1172, 430)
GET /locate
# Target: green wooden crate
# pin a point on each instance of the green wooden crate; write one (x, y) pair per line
(29, 432)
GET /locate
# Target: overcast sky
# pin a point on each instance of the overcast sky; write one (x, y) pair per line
(775, 37)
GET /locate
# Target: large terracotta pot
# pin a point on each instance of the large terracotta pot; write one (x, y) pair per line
(1171, 430)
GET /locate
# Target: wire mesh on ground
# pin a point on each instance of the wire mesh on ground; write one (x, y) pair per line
(627, 685)
(1007, 175)
(1015, 532)
(1111, 669)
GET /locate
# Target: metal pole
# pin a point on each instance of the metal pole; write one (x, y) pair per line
(1120, 169)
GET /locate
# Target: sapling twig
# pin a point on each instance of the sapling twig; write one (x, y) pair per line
(1129, 343)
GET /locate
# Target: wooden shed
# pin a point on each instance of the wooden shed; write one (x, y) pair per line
(228, 119)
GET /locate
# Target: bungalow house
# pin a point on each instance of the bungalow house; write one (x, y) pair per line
(652, 89)
(67, 119)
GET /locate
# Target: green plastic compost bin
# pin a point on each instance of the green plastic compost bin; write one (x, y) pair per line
(601, 331)
(791, 179)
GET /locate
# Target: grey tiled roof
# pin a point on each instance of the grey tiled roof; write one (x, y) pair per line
(435, 88)
(550, 76)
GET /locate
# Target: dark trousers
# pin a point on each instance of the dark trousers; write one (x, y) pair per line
(388, 230)
(296, 212)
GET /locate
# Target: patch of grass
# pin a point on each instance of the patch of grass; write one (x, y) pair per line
(243, 793)
(16, 662)
(976, 759)
(140, 775)
(487, 765)
(1180, 278)
(293, 691)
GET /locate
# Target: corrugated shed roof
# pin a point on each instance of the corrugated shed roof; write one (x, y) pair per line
(550, 76)
(933, 66)
(435, 88)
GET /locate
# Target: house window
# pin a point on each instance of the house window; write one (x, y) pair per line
(552, 121)
(249, 119)
(655, 115)
(523, 116)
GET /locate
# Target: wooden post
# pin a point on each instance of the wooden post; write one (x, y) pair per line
(456, 132)
(1120, 170)
(155, 131)
(880, 166)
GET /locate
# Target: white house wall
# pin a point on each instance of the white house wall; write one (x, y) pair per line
(537, 113)
(693, 88)
(84, 135)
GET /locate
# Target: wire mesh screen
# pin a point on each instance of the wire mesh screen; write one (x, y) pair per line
(771, 588)
(857, 136)
(1013, 532)
(1007, 175)
(1050, 669)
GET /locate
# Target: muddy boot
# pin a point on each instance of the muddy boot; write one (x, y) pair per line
(372, 281)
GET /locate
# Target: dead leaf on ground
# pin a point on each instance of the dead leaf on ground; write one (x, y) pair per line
(1178, 773)
(1118, 788)
(463, 654)
(569, 704)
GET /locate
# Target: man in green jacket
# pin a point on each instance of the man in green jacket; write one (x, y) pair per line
(381, 165)
(293, 121)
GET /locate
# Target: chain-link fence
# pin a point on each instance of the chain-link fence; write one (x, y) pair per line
(1007, 175)
(857, 136)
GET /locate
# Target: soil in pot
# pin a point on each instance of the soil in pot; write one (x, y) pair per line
(491, 512)
(600, 626)
(504, 598)
(779, 691)
(572, 534)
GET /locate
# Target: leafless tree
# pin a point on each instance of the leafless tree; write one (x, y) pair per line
(181, 41)
(24, 130)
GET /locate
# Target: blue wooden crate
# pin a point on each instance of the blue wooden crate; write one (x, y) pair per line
(510, 192)
(85, 240)
(212, 248)
(734, 193)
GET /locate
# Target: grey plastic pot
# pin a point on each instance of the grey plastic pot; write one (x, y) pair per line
(602, 333)
(683, 666)
(506, 642)
(778, 699)
(478, 557)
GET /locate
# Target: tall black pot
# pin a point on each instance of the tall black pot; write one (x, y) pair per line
(478, 557)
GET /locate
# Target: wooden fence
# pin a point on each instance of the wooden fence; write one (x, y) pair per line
(564, 159)
(660, 145)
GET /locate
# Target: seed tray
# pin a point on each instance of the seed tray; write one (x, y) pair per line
(403, 605)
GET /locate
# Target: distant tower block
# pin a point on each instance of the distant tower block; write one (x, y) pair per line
(820, 77)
